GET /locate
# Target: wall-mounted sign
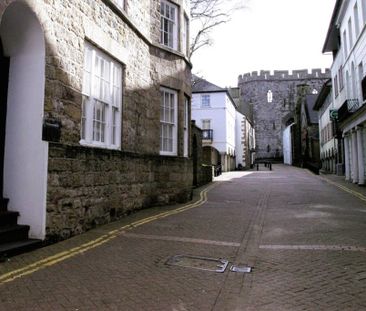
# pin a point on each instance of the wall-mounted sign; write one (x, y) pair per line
(333, 114)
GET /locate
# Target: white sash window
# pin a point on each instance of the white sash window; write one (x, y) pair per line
(169, 24)
(102, 100)
(186, 127)
(168, 122)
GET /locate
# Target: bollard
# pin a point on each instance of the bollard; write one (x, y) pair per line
(257, 167)
(270, 166)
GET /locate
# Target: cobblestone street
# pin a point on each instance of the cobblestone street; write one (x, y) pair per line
(304, 236)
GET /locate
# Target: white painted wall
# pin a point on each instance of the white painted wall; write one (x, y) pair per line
(26, 155)
(239, 133)
(356, 53)
(222, 116)
(287, 145)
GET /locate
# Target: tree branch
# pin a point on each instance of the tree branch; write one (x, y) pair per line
(209, 14)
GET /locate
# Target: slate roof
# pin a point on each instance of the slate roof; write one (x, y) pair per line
(325, 90)
(200, 85)
(310, 103)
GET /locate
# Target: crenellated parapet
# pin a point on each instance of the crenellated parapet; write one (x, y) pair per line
(284, 75)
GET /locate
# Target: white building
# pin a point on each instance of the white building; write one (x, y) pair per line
(223, 126)
(330, 143)
(346, 39)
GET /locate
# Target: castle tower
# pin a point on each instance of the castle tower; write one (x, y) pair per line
(273, 101)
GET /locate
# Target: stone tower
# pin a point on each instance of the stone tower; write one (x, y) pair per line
(273, 101)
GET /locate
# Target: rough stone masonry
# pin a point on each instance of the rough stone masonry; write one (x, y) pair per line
(272, 116)
(87, 185)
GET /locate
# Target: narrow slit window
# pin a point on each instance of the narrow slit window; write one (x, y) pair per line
(269, 96)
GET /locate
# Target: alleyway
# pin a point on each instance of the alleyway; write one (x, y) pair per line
(304, 237)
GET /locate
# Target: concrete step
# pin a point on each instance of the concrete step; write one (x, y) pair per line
(18, 247)
(8, 218)
(13, 233)
(3, 204)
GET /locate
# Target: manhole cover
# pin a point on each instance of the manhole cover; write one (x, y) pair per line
(197, 262)
(241, 269)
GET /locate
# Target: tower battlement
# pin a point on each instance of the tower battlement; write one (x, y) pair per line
(284, 75)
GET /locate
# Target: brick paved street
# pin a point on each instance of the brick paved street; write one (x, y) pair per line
(304, 236)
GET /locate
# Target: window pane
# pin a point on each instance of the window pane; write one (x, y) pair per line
(101, 113)
(167, 121)
(83, 118)
(87, 71)
(168, 25)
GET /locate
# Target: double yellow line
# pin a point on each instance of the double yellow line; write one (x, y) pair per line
(355, 193)
(52, 260)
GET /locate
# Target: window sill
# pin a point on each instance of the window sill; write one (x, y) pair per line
(173, 51)
(168, 154)
(98, 145)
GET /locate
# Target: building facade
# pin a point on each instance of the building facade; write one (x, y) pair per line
(346, 39)
(330, 142)
(272, 98)
(215, 113)
(96, 121)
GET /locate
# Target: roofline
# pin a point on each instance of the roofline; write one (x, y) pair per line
(219, 91)
(324, 92)
(332, 24)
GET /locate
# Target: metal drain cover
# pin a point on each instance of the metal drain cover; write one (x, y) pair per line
(241, 269)
(197, 262)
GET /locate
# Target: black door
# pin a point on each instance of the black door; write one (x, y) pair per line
(4, 79)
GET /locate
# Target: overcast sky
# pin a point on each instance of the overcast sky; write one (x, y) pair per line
(267, 35)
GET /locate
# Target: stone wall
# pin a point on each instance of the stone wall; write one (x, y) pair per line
(87, 185)
(202, 172)
(90, 186)
(271, 118)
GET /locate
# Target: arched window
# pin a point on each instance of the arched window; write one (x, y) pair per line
(269, 96)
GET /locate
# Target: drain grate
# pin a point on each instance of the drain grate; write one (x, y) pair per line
(197, 262)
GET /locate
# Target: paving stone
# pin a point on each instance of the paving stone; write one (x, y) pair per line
(288, 224)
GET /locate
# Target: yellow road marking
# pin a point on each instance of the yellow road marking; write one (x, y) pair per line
(52, 260)
(355, 193)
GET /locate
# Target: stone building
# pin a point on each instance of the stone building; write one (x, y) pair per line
(245, 156)
(309, 155)
(95, 99)
(272, 98)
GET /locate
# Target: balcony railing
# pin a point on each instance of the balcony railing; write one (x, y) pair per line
(353, 104)
(207, 135)
(348, 108)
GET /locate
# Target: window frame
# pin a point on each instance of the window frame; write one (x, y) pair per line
(336, 89)
(186, 127)
(164, 122)
(120, 4)
(341, 79)
(350, 33)
(356, 20)
(185, 36)
(205, 101)
(173, 43)
(269, 96)
(206, 121)
(345, 47)
(102, 92)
